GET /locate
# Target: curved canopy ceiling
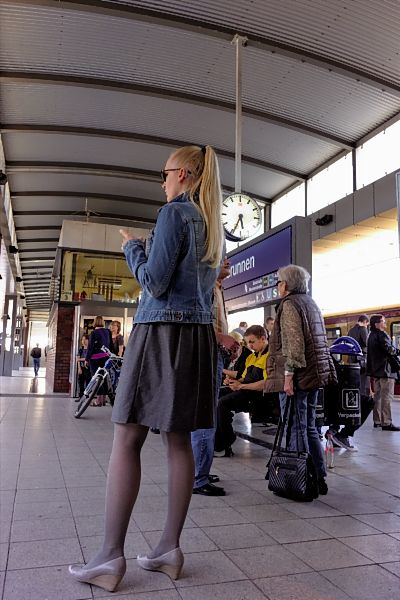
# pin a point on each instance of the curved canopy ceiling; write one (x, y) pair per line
(95, 94)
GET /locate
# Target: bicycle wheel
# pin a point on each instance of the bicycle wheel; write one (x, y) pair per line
(88, 396)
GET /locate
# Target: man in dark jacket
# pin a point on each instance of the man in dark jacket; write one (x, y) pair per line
(379, 353)
(36, 354)
(360, 332)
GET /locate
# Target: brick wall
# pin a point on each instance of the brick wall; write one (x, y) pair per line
(61, 328)
(51, 352)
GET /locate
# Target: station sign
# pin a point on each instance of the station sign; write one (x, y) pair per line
(253, 271)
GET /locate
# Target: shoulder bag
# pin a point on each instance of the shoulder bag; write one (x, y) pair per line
(291, 473)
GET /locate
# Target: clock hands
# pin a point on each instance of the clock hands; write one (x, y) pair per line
(240, 220)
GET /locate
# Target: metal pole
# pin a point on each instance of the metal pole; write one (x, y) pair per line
(239, 41)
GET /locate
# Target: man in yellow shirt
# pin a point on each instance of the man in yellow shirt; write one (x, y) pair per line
(241, 394)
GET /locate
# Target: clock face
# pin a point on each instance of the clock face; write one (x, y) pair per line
(241, 217)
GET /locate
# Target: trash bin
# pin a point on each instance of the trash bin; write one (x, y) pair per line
(342, 402)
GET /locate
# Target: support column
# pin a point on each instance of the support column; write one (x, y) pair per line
(9, 324)
(61, 335)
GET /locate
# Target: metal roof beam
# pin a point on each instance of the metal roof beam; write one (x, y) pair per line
(84, 195)
(165, 93)
(68, 213)
(217, 30)
(35, 240)
(40, 270)
(24, 250)
(38, 228)
(147, 139)
(82, 168)
(14, 167)
(38, 259)
(33, 279)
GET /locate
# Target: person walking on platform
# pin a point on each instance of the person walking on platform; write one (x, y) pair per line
(36, 354)
(171, 350)
(299, 362)
(379, 354)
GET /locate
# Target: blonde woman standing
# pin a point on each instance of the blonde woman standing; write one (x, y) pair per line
(172, 348)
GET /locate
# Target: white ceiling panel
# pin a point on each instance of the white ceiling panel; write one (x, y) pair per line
(84, 107)
(361, 33)
(68, 42)
(54, 147)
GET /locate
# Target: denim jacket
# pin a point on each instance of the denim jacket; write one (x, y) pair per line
(177, 285)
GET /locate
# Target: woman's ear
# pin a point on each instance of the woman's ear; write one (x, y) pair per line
(182, 175)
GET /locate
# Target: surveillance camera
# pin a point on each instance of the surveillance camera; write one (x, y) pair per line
(325, 220)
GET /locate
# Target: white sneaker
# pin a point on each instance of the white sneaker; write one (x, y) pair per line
(219, 454)
(344, 442)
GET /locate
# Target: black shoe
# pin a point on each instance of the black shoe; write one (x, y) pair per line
(390, 427)
(322, 486)
(154, 430)
(213, 478)
(209, 490)
(377, 425)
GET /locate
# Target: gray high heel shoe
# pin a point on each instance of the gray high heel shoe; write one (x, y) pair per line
(170, 563)
(106, 576)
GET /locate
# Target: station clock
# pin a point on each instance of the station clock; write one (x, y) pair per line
(241, 217)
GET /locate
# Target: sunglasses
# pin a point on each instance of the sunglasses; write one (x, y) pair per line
(164, 173)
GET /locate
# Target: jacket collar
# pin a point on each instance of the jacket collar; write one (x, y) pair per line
(182, 198)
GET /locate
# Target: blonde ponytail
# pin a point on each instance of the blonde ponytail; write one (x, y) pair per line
(205, 191)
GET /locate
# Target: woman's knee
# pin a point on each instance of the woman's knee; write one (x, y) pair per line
(130, 435)
(179, 441)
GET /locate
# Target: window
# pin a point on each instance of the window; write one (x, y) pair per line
(378, 156)
(87, 276)
(290, 205)
(331, 184)
(395, 333)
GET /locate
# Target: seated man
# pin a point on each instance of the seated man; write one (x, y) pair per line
(240, 394)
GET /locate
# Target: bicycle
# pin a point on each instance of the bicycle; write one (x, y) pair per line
(109, 375)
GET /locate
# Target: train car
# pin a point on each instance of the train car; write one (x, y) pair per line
(337, 325)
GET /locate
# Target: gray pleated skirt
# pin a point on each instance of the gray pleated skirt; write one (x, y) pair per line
(168, 377)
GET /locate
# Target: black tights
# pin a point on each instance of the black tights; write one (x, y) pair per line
(123, 482)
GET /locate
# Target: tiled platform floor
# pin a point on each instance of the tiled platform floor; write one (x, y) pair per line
(248, 545)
